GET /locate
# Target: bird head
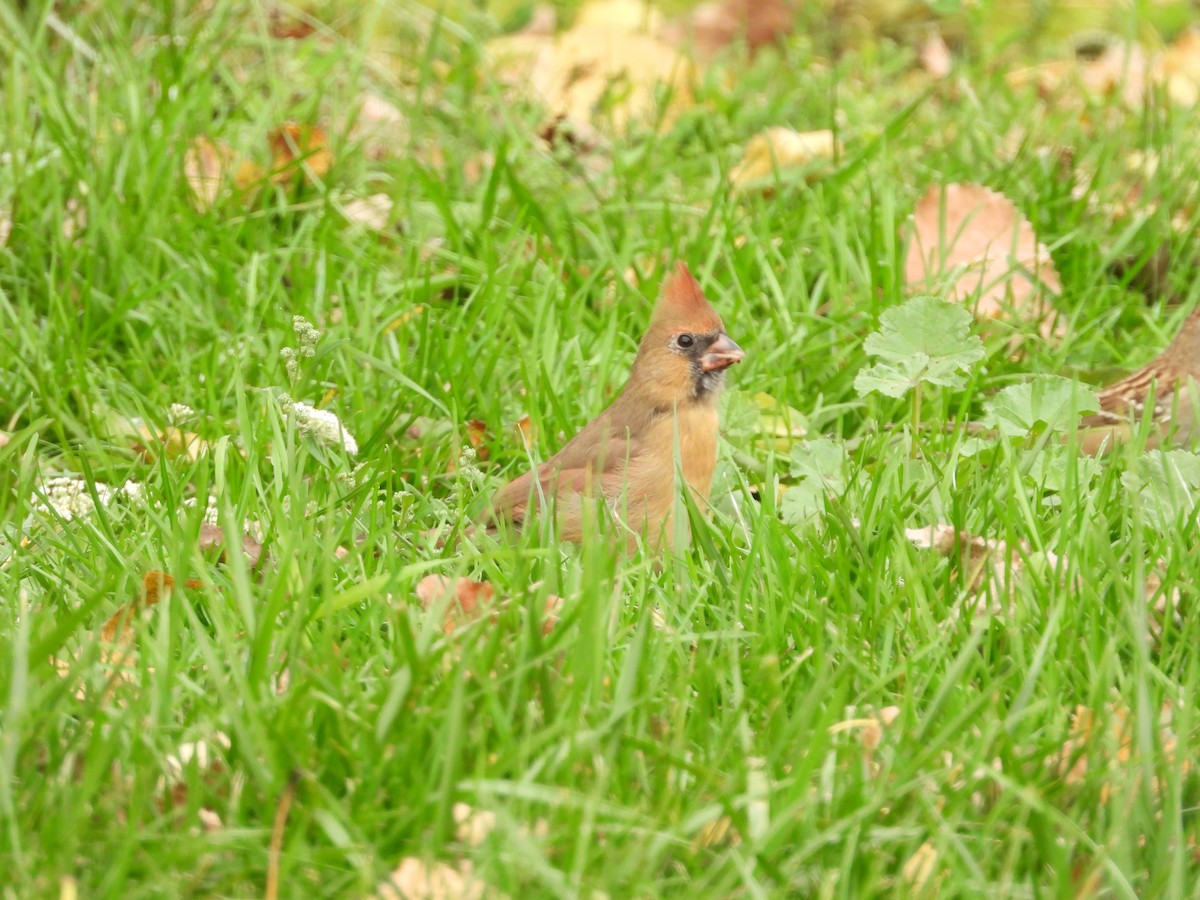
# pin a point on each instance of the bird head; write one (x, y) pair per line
(684, 355)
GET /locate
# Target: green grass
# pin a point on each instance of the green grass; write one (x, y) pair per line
(667, 697)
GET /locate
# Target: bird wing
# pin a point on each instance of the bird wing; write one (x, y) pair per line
(589, 461)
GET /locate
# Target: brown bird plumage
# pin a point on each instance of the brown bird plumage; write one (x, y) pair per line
(626, 455)
(1175, 378)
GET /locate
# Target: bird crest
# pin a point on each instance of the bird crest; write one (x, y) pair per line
(682, 304)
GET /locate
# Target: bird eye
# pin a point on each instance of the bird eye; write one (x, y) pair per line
(685, 340)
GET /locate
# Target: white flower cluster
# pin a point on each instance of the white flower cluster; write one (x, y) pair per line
(178, 413)
(210, 510)
(320, 424)
(69, 497)
(306, 340)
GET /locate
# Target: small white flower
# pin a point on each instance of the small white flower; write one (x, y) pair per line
(134, 490)
(211, 510)
(306, 334)
(178, 413)
(69, 497)
(319, 424)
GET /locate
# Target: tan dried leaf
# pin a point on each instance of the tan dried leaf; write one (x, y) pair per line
(465, 598)
(472, 826)
(214, 536)
(720, 832)
(714, 25)
(920, 867)
(973, 240)
(170, 441)
(1178, 68)
(415, 879)
(119, 627)
(526, 430)
(294, 145)
(934, 55)
(206, 166)
(609, 60)
(373, 212)
(778, 149)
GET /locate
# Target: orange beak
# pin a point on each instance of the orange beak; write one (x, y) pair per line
(722, 353)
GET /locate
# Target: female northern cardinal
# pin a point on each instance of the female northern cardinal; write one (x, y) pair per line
(1174, 378)
(627, 454)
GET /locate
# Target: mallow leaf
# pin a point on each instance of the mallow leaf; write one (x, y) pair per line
(1047, 400)
(924, 341)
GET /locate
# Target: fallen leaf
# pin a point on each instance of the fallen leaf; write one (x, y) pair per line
(214, 536)
(210, 820)
(75, 218)
(466, 597)
(203, 758)
(1120, 70)
(381, 126)
(934, 55)
(373, 212)
(717, 833)
(1178, 68)
(306, 147)
(1088, 749)
(472, 826)
(415, 879)
(609, 63)
(526, 430)
(920, 866)
(467, 600)
(284, 26)
(715, 25)
(171, 441)
(778, 149)
(119, 627)
(975, 241)
(206, 165)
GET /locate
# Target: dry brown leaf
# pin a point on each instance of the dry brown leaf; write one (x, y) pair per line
(415, 879)
(720, 832)
(920, 866)
(934, 55)
(466, 597)
(777, 149)
(381, 126)
(204, 757)
(609, 60)
(171, 441)
(373, 212)
(283, 26)
(214, 536)
(467, 600)
(987, 567)
(1178, 68)
(294, 145)
(206, 165)
(715, 25)
(119, 627)
(526, 431)
(1086, 748)
(978, 238)
(472, 826)
(210, 820)
(75, 218)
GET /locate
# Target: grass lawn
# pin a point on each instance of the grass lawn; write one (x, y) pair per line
(802, 702)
